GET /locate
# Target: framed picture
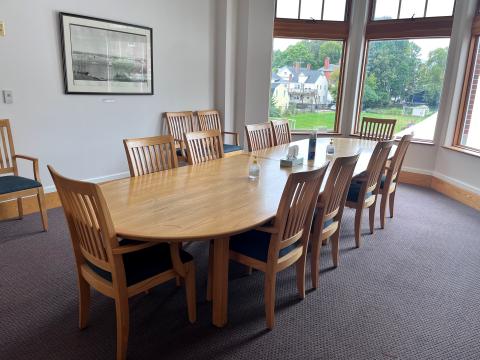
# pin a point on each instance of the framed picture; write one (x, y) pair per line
(106, 57)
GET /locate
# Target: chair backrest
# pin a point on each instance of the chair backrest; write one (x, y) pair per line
(295, 211)
(179, 123)
(336, 189)
(203, 146)
(397, 161)
(281, 132)
(377, 129)
(150, 154)
(91, 229)
(259, 136)
(209, 120)
(377, 164)
(8, 163)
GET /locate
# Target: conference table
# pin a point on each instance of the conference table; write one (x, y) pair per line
(213, 201)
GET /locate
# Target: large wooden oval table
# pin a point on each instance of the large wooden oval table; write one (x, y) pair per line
(214, 200)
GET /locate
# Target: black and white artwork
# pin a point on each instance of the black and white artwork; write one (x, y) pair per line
(106, 57)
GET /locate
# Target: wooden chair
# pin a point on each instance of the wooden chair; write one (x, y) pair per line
(116, 268)
(259, 136)
(329, 211)
(284, 242)
(281, 132)
(17, 187)
(210, 120)
(203, 146)
(179, 123)
(388, 182)
(150, 154)
(364, 187)
(377, 129)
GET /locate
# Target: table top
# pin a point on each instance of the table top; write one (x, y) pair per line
(214, 199)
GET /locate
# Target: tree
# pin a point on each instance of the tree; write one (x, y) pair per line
(331, 49)
(299, 52)
(431, 75)
(333, 83)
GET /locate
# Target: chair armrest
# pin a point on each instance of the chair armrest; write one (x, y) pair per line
(36, 171)
(267, 229)
(234, 134)
(125, 249)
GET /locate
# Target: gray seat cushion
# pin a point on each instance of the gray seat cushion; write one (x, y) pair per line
(12, 183)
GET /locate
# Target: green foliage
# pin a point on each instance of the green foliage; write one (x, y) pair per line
(273, 111)
(431, 75)
(331, 49)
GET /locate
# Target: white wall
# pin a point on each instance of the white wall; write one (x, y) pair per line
(254, 46)
(80, 135)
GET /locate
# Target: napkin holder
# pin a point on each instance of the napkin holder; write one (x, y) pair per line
(291, 162)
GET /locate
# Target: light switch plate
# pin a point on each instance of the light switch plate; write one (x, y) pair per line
(8, 96)
(2, 29)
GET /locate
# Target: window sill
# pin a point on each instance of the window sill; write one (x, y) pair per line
(463, 150)
(414, 141)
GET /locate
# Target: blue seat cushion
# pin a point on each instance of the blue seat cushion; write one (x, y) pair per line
(227, 148)
(255, 244)
(11, 183)
(179, 152)
(354, 191)
(143, 264)
(383, 179)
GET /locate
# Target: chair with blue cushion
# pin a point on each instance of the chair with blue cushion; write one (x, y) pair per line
(210, 120)
(259, 136)
(12, 186)
(203, 146)
(329, 211)
(117, 268)
(388, 183)
(284, 241)
(363, 190)
(179, 123)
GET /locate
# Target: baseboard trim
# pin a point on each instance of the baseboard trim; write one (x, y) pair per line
(8, 209)
(462, 194)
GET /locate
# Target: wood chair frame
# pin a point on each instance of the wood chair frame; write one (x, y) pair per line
(291, 225)
(94, 241)
(281, 132)
(210, 120)
(150, 154)
(203, 146)
(377, 129)
(179, 123)
(259, 136)
(370, 183)
(330, 205)
(8, 165)
(393, 169)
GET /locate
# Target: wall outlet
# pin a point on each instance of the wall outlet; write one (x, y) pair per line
(2, 29)
(8, 96)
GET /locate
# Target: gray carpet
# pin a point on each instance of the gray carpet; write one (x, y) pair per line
(412, 291)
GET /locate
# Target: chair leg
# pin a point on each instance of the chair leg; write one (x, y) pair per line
(358, 225)
(178, 281)
(391, 202)
(43, 208)
(249, 270)
(20, 208)
(121, 309)
(270, 280)
(300, 271)
(334, 241)
(383, 206)
(191, 292)
(84, 302)
(315, 261)
(210, 272)
(371, 217)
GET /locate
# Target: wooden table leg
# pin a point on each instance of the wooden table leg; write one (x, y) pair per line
(220, 281)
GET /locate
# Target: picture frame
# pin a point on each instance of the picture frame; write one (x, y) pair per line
(106, 57)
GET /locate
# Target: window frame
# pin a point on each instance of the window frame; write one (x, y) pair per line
(373, 4)
(306, 29)
(398, 29)
(467, 82)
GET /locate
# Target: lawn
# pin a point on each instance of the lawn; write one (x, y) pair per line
(310, 121)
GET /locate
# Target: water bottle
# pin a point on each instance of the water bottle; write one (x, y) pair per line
(254, 170)
(312, 145)
(330, 148)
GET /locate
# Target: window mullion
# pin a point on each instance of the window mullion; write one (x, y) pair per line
(399, 8)
(299, 8)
